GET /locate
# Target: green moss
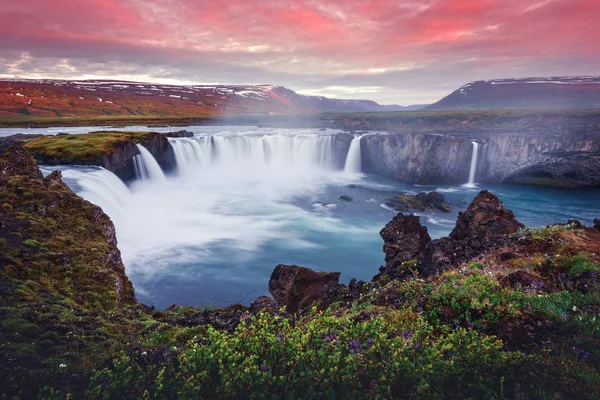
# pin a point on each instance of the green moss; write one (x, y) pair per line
(86, 147)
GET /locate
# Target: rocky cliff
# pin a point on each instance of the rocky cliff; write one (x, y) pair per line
(112, 150)
(557, 160)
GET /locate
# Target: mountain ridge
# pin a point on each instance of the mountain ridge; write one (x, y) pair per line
(562, 92)
(24, 98)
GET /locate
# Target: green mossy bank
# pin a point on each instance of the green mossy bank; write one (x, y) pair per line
(520, 320)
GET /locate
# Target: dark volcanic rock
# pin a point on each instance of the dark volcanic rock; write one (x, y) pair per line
(404, 239)
(597, 223)
(485, 225)
(298, 287)
(345, 198)
(263, 303)
(16, 160)
(523, 279)
(421, 201)
(485, 220)
(179, 134)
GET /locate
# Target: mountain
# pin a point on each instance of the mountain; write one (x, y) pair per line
(20, 99)
(578, 92)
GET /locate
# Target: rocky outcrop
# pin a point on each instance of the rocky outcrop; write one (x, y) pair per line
(298, 287)
(179, 134)
(114, 151)
(421, 201)
(404, 239)
(16, 160)
(484, 226)
(597, 223)
(47, 231)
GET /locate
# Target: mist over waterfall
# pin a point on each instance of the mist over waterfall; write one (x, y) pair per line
(353, 159)
(473, 167)
(146, 166)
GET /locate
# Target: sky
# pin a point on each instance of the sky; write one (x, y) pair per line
(393, 52)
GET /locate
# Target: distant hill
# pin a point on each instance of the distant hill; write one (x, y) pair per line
(579, 92)
(21, 99)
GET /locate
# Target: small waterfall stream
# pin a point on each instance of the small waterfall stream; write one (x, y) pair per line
(146, 166)
(353, 159)
(473, 168)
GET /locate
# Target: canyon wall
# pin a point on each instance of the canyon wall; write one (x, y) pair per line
(444, 158)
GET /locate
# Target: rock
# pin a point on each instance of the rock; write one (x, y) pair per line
(179, 134)
(597, 223)
(523, 279)
(404, 239)
(444, 208)
(485, 220)
(263, 303)
(423, 155)
(15, 160)
(345, 198)
(584, 281)
(485, 225)
(297, 287)
(421, 201)
(430, 197)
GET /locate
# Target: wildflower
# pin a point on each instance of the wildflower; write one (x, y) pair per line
(584, 354)
(264, 368)
(354, 346)
(574, 308)
(470, 325)
(370, 342)
(144, 353)
(280, 337)
(329, 337)
(407, 334)
(62, 366)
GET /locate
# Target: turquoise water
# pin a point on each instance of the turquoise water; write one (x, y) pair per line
(344, 238)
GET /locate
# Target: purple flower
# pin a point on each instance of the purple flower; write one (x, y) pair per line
(354, 346)
(584, 354)
(470, 325)
(370, 342)
(407, 334)
(329, 338)
(280, 337)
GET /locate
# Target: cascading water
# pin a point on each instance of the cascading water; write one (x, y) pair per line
(97, 185)
(269, 153)
(473, 168)
(146, 167)
(353, 159)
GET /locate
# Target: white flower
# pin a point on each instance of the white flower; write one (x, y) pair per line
(62, 366)
(144, 353)
(574, 308)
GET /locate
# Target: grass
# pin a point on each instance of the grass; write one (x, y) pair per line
(85, 147)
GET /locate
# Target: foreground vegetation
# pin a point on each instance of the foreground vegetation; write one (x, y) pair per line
(521, 321)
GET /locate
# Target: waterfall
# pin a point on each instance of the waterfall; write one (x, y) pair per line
(95, 184)
(272, 152)
(146, 167)
(353, 159)
(473, 168)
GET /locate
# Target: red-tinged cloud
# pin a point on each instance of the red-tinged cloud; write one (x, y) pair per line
(392, 51)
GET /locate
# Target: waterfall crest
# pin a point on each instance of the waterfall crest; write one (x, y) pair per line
(146, 166)
(263, 152)
(353, 159)
(97, 185)
(473, 168)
